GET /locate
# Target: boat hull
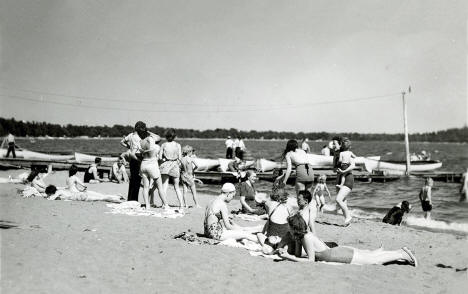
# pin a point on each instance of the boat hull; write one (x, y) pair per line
(81, 157)
(205, 164)
(377, 165)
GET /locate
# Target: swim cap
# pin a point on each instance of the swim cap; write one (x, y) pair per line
(228, 188)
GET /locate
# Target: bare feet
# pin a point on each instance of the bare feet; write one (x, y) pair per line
(411, 258)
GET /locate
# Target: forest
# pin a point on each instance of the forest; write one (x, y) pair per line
(36, 129)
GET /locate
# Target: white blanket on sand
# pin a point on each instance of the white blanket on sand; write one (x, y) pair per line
(251, 217)
(134, 208)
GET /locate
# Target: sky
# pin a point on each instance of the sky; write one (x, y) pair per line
(311, 66)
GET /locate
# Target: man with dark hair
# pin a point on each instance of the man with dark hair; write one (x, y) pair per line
(10, 141)
(132, 142)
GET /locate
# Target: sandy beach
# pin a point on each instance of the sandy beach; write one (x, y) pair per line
(76, 247)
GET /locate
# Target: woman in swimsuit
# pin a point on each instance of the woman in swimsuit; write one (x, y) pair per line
(316, 249)
(345, 189)
(216, 214)
(247, 192)
(276, 226)
(171, 154)
(149, 171)
(304, 173)
(77, 190)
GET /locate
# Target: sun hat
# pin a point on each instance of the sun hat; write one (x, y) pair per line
(228, 188)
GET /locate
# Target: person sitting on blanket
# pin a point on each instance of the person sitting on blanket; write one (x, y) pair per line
(316, 250)
(36, 185)
(246, 191)
(217, 224)
(277, 223)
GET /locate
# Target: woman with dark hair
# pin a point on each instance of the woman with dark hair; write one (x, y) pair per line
(316, 250)
(63, 194)
(91, 174)
(36, 185)
(171, 154)
(344, 170)
(298, 158)
(246, 191)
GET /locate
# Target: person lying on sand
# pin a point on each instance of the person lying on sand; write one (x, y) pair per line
(64, 194)
(217, 224)
(316, 250)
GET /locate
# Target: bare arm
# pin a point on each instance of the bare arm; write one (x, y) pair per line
(328, 191)
(429, 195)
(124, 174)
(288, 169)
(351, 166)
(227, 222)
(312, 216)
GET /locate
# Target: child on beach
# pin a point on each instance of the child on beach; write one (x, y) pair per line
(187, 177)
(425, 195)
(319, 192)
(345, 161)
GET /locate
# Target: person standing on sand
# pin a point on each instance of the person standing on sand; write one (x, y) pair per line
(229, 147)
(345, 189)
(304, 172)
(132, 143)
(425, 196)
(239, 147)
(464, 187)
(10, 141)
(171, 154)
(305, 146)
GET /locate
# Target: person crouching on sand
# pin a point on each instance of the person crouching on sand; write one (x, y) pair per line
(118, 172)
(316, 250)
(217, 224)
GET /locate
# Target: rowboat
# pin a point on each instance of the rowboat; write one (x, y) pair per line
(223, 163)
(415, 166)
(37, 155)
(317, 160)
(81, 157)
(26, 154)
(205, 164)
(265, 165)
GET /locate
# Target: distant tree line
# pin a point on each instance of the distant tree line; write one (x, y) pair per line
(36, 129)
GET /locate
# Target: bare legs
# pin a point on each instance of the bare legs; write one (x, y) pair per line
(238, 235)
(146, 184)
(95, 196)
(380, 256)
(342, 203)
(193, 189)
(165, 181)
(157, 183)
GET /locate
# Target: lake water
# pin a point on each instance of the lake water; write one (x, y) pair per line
(367, 200)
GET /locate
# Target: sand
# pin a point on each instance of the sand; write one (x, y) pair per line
(75, 247)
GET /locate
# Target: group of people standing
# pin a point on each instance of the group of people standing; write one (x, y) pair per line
(156, 166)
(235, 148)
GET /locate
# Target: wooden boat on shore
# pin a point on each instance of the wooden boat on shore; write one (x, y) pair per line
(81, 157)
(317, 160)
(398, 167)
(205, 164)
(27, 154)
(265, 165)
(223, 163)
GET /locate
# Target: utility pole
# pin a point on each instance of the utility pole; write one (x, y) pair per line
(405, 118)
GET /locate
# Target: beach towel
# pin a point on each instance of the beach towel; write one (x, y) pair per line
(195, 239)
(134, 208)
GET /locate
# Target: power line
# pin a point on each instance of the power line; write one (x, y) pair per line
(204, 104)
(275, 107)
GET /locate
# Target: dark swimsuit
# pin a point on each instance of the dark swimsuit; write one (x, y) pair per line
(304, 173)
(274, 229)
(248, 192)
(88, 176)
(349, 178)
